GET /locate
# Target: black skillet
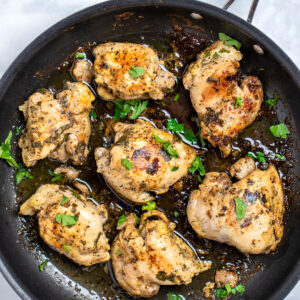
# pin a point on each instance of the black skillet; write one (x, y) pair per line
(18, 263)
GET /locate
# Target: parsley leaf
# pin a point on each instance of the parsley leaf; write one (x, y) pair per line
(139, 107)
(188, 134)
(280, 130)
(64, 200)
(250, 154)
(229, 41)
(202, 142)
(66, 220)
(119, 252)
(176, 97)
(137, 219)
(67, 248)
(5, 152)
(238, 102)
(43, 264)
(175, 168)
(176, 214)
(225, 292)
(150, 205)
(121, 220)
(167, 147)
(135, 72)
(172, 296)
(21, 174)
(55, 177)
(80, 55)
(272, 101)
(279, 156)
(240, 208)
(240, 288)
(18, 130)
(197, 166)
(127, 163)
(261, 157)
(93, 114)
(123, 108)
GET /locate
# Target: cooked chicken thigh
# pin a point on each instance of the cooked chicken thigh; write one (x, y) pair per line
(152, 255)
(149, 167)
(83, 70)
(84, 242)
(212, 210)
(57, 128)
(224, 108)
(112, 66)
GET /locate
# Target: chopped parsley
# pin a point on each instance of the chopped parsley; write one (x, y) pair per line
(66, 220)
(137, 219)
(279, 156)
(119, 252)
(207, 53)
(188, 134)
(167, 147)
(223, 50)
(261, 69)
(176, 97)
(172, 296)
(202, 142)
(280, 130)
(64, 200)
(80, 55)
(175, 168)
(55, 177)
(272, 101)
(67, 248)
(176, 214)
(43, 264)
(21, 174)
(136, 72)
(229, 41)
(123, 108)
(197, 166)
(225, 292)
(240, 208)
(250, 154)
(259, 156)
(150, 205)
(238, 102)
(121, 220)
(93, 114)
(18, 130)
(127, 163)
(216, 55)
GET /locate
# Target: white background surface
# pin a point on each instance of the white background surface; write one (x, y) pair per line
(23, 20)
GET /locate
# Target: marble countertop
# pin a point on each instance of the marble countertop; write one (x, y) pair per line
(21, 21)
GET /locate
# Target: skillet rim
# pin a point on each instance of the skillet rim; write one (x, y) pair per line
(114, 5)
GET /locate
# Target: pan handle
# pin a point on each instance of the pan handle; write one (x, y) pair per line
(251, 12)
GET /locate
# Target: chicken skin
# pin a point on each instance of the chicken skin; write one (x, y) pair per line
(57, 128)
(152, 255)
(224, 108)
(115, 61)
(137, 163)
(213, 210)
(83, 240)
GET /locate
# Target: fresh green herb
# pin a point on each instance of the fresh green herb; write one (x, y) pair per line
(43, 264)
(119, 252)
(199, 178)
(224, 50)
(240, 288)
(250, 154)
(174, 126)
(163, 103)
(167, 147)
(175, 168)
(228, 288)
(5, 152)
(64, 200)
(123, 108)
(272, 101)
(93, 114)
(176, 97)
(67, 248)
(176, 214)
(55, 177)
(135, 72)
(229, 41)
(127, 163)
(202, 142)
(216, 55)
(207, 53)
(225, 292)
(137, 219)
(150, 205)
(66, 220)
(238, 102)
(280, 130)
(189, 135)
(121, 220)
(172, 296)
(18, 130)
(280, 156)
(221, 293)
(80, 55)
(261, 69)
(240, 208)
(21, 174)
(197, 166)
(261, 157)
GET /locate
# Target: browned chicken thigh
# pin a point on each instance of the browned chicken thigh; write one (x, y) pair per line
(115, 61)
(138, 163)
(224, 108)
(152, 255)
(57, 128)
(213, 209)
(69, 223)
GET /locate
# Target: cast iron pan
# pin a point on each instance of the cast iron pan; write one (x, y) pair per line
(17, 261)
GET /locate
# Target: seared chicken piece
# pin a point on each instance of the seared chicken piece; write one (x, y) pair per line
(153, 255)
(113, 63)
(224, 108)
(223, 277)
(67, 171)
(242, 168)
(212, 210)
(83, 70)
(57, 128)
(150, 166)
(85, 242)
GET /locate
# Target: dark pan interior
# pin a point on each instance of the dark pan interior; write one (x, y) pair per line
(18, 263)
